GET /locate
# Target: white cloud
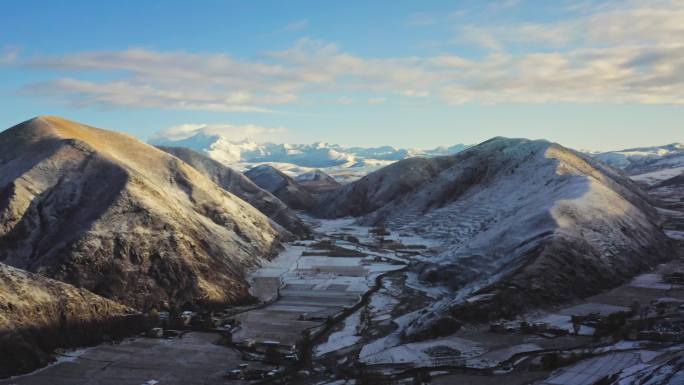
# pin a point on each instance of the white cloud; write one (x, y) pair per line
(131, 94)
(296, 25)
(608, 24)
(619, 52)
(9, 55)
(421, 19)
(228, 131)
(416, 93)
(504, 4)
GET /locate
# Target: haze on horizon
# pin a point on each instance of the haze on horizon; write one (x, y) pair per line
(596, 75)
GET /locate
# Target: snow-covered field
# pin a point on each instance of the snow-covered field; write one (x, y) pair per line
(418, 354)
(650, 281)
(589, 371)
(432, 291)
(343, 338)
(383, 302)
(593, 308)
(349, 226)
(564, 322)
(307, 289)
(629, 364)
(654, 177)
(496, 357)
(679, 235)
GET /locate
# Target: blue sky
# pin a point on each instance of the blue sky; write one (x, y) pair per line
(590, 75)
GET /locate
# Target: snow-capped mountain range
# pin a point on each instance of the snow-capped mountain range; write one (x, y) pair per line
(647, 164)
(344, 163)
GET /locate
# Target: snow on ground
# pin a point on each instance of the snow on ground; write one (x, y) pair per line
(653, 374)
(593, 308)
(267, 280)
(658, 176)
(381, 304)
(308, 288)
(619, 346)
(323, 281)
(432, 291)
(349, 226)
(589, 371)
(391, 340)
(496, 357)
(564, 322)
(310, 262)
(675, 234)
(636, 366)
(330, 226)
(650, 281)
(418, 353)
(338, 382)
(284, 262)
(343, 338)
(381, 267)
(562, 319)
(409, 238)
(463, 352)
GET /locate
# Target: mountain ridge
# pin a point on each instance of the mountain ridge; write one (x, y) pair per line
(240, 185)
(344, 163)
(512, 216)
(123, 219)
(39, 314)
(282, 186)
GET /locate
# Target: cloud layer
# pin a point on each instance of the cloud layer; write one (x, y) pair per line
(229, 132)
(618, 52)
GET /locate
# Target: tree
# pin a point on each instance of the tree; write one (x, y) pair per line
(153, 318)
(272, 355)
(175, 319)
(550, 361)
(367, 376)
(422, 377)
(207, 322)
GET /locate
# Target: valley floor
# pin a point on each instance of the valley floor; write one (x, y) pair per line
(303, 288)
(342, 302)
(192, 359)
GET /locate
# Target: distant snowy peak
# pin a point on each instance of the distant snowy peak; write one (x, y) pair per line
(315, 176)
(649, 165)
(294, 159)
(317, 181)
(634, 157)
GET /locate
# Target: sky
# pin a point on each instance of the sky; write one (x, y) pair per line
(592, 75)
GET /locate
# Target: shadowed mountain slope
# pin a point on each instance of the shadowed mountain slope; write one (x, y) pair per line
(317, 182)
(282, 186)
(38, 314)
(238, 184)
(111, 214)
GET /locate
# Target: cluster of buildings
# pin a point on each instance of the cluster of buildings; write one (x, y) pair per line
(502, 327)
